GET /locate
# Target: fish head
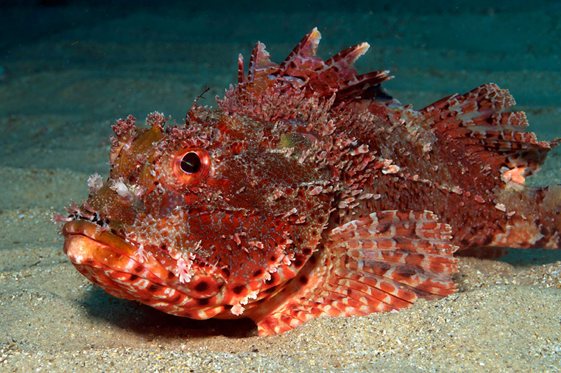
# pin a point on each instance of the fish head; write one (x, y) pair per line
(205, 219)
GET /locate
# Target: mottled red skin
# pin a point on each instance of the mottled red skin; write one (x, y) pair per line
(292, 152)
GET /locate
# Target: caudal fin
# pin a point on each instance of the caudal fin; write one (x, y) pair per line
(534, 219)
(491, 142)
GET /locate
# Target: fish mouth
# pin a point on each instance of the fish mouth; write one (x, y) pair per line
(90, 246)
(115, 265)
(102, 257)
(88, 233)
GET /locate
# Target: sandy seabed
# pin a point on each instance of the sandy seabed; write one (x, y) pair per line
(59, 91)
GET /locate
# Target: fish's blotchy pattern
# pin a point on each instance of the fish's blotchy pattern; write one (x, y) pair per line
(309, 191)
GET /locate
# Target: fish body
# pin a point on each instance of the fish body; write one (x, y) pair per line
(309, 192)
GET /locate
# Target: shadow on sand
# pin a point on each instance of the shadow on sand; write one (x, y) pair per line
(151, 323)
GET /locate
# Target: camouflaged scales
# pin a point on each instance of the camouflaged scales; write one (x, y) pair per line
(309, 192)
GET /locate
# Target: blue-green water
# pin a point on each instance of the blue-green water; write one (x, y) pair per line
(79, 65)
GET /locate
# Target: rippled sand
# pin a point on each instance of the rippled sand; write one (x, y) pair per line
(60, 88)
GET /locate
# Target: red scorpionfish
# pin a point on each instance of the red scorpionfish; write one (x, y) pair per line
(309, 192)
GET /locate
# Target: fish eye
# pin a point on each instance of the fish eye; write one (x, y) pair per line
(190, 166)
(191, 163)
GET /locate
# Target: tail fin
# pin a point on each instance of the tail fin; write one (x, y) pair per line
(494, 146)
(535, 218)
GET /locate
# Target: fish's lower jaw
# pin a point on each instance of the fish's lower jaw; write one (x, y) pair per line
(81, 249)
(125, 277)
(118, 268)
(163, 298)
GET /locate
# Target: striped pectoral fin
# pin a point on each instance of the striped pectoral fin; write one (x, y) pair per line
(382, 262)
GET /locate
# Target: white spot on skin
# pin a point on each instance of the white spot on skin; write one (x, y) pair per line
(141, 254)
(95, 182)
(316, 190)
(294, 211)
(391, 169)
(237, 309)
(122, 189)
(257, 244)
(78, 259)
(277, 193)
(457, 189)
(267, 277)
(184, 271)
(141, 284)
(237, 239)
(130, 265)
(360, 150)
(500, 207)
(288, 259)
(253, 295)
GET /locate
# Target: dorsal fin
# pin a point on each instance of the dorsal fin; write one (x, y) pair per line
(241, 73)
(306, 48)
(347, 57)
(480, 120)
(260, 59)
(268, 87)
(360, 84)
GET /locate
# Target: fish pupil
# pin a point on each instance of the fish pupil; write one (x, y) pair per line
(190, 163)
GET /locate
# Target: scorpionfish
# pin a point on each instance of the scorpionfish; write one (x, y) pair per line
(308, 192)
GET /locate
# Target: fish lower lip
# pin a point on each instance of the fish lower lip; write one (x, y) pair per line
(103, 257)
(94, 233)
(85, 243)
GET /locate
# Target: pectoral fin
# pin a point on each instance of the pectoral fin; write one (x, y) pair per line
(382, 262)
